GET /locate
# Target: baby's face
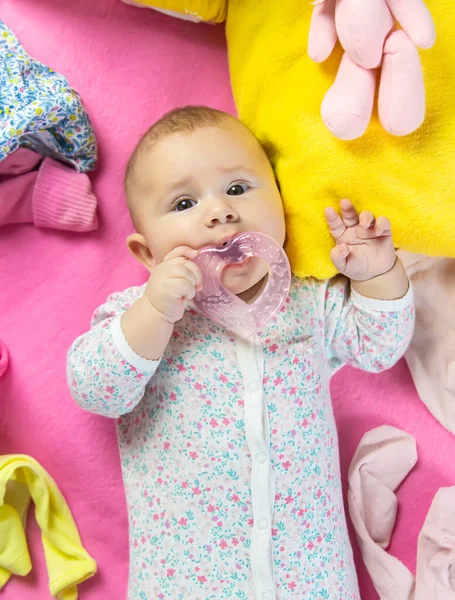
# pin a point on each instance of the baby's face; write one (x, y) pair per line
(202, 188)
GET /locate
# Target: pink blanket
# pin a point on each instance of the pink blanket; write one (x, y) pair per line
(129, 66)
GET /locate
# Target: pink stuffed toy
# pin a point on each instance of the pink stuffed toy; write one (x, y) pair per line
(367, 31)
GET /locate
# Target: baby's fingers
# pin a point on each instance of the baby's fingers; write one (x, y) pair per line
(383, 226)
(348, 213)
(196, 271)
(183, 270)
(366, 219)
(181, 252)
(370, 228)
(339, 256)
(181, 288)
(335, 223)
(182, 256)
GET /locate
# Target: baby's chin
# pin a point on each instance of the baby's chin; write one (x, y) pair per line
(240, 279)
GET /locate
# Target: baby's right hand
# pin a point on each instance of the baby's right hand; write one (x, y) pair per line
(173, 283)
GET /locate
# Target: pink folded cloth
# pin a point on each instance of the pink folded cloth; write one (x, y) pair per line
(383, 459)
(45, 193)
(435, 577)
(3, 358)
(19, 162)
(431, 354)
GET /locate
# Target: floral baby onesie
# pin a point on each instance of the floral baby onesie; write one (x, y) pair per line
(229, 447)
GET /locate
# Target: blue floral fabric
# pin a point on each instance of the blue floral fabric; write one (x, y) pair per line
(39, 110)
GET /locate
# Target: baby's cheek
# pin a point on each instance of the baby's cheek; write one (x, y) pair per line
(160, 248)
(274, 223)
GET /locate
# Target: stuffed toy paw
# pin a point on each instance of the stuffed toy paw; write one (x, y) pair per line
(367, 32)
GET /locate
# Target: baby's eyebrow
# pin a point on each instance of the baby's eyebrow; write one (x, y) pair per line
(179, 186)
(181, 183)
(236, 169)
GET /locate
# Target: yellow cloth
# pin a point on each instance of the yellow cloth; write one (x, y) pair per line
(278, 92)
(68, 563)
(206, 10)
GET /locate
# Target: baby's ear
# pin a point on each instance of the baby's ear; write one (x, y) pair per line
(140, 251)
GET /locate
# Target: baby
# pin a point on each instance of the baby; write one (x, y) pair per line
(229, 447)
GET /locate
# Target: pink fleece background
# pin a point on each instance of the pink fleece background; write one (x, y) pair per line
(129, 66)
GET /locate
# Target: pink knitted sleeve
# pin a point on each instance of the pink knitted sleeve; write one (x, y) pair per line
(52, 195)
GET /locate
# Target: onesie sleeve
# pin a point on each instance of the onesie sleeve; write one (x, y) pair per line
(363, 332)
(104, 374)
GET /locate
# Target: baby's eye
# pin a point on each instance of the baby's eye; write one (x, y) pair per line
(237, 189)
(184, 204)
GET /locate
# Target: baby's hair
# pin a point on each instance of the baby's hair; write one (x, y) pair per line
(180, 120)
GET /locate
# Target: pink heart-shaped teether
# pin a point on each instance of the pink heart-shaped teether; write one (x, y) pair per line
(220, 305)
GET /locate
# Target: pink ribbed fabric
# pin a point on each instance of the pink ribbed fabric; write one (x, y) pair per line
(49, 194)
(63, 199)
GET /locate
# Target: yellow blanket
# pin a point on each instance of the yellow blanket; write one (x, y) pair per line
(278, 92)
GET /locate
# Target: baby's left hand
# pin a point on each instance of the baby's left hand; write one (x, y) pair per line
(364, 247)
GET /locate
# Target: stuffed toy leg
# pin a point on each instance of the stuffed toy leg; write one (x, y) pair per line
(367, 33)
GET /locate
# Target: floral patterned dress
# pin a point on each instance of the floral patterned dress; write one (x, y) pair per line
(229, 447)
(39, 110)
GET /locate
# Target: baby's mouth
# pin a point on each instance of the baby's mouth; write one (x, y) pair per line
(239, 265)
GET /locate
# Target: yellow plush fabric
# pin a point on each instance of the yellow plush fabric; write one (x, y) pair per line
(410, 180)
(278, 92)
(206, 10)
(22, 479)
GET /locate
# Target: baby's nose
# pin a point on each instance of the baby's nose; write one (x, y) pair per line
(227, 217)
(221, 212)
